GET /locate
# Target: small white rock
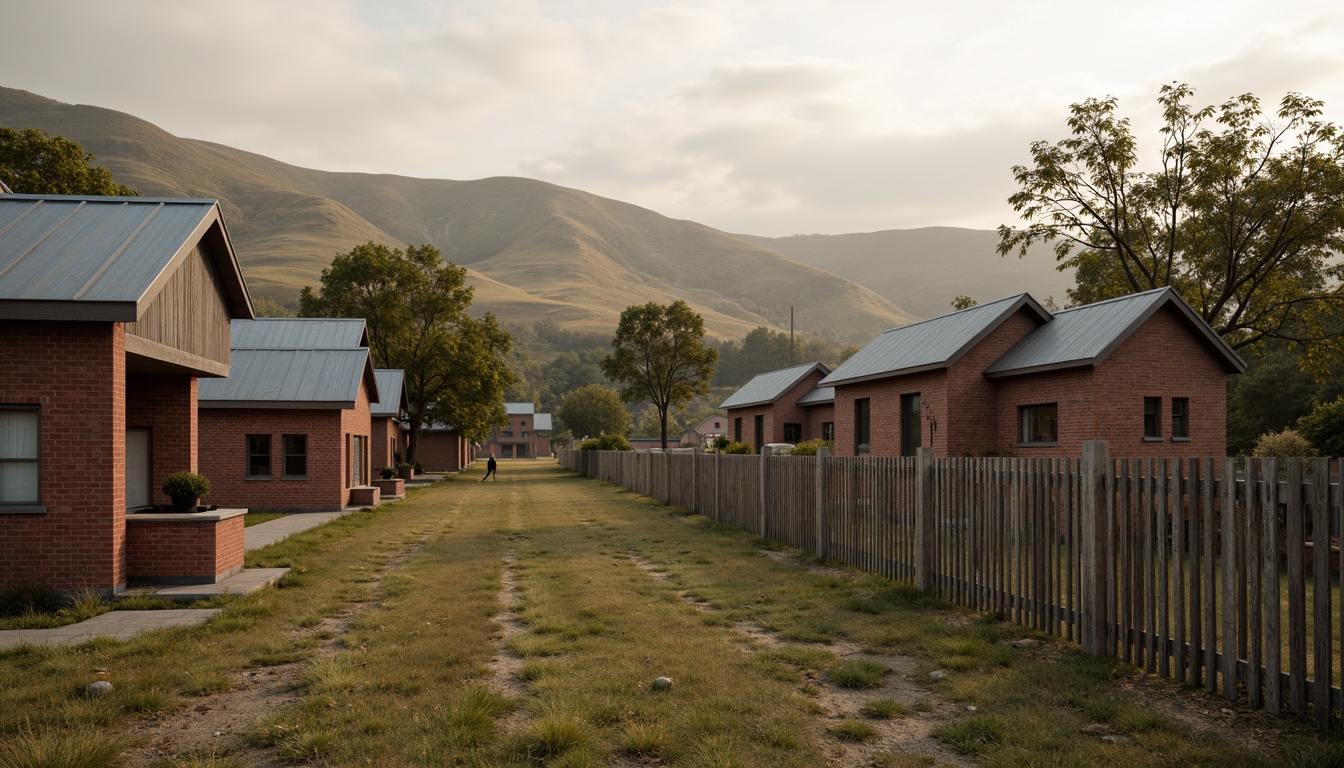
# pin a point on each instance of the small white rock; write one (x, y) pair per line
(99, 688)
(972, 708)
(938, 674)
(662, 684)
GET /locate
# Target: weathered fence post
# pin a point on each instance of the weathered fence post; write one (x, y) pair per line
(695, 481)
(1092, 550)
(926, 521)
(823, 527)
(718, 490)
(765, 458)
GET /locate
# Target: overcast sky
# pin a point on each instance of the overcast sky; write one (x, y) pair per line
(773, 117)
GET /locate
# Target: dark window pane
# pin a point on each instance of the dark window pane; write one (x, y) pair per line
(1040, 423)
(1152, 425)
(861, 425)
(1180, 417)
(258, 455)
(912, 435)
(296, 455)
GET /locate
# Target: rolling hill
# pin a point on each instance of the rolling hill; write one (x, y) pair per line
(533, 250)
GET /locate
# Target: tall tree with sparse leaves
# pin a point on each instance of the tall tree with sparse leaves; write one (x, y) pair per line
(415, 305)
(1241, 213)
(33, 162)
(659, 355)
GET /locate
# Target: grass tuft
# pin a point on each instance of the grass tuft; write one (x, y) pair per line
(884, 709)
(853, 730)
(645, 740)
(78, 748)
(858, 673)
(552, 736)
(973, 735)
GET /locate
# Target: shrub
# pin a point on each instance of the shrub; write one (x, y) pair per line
(389, 473)
(721, 442)
(1282, 445)
(810, 447)
(738, 448)
(181, 484)
(1324, 428)
(605, 443)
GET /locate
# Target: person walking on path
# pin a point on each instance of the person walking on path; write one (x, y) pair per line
(490, 467)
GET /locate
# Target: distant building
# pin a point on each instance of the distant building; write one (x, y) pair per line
(527, 436)
(784, 406)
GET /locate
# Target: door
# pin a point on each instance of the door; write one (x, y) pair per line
(139, 469)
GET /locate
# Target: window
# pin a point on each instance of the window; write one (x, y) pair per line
(523, 435)
(793, 433)
(361, 464)
(737, 429)
(508, 433)
(861, 414)
(912, 432)
(828, 431)
(1040, 424)
(19, 455)
(258, 455)
(760, 431)
(1180, 418)
(1152, 418)
(296, 455)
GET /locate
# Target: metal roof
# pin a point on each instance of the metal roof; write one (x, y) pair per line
(931, 344)
(818, 396)
(1086, 335)
(770, 386)
(391, 390)
(105, 258)
(519, 409)
(299, 333)
(288, 378)
(541, 422)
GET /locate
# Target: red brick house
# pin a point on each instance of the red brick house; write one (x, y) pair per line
(443, 449)
(1142, 372)
(703, 433)
(110, 310)
(784, 406)
(527, 436)
(290, 428)
(388, 431)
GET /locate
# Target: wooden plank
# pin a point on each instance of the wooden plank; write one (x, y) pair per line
(1196, 546)
(1231, 641)
(1149, 569)
(1320, 590)
(1269, 584)
(1294, 545)
(1254, 535)
(1096, 463)
(1162, 529)
(1177, 507)
(1126, 484)
(1210, 586)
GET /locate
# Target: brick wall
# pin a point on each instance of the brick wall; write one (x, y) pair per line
(76, 374)
(884, 397)
(784, 410)
(166, 405)
(388, 441)
(816, 416)
(196, 551)
(968, 422)
(440, 451)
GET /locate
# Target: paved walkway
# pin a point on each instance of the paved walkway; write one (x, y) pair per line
(126, 624)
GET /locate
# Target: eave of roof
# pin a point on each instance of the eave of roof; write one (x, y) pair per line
(766, 388)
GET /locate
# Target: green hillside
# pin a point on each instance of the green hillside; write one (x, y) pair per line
(535, 250)
(924, 269)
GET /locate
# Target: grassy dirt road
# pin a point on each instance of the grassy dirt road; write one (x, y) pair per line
(524, 622)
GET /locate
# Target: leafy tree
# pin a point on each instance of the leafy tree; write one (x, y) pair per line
(1240, 214)
(568, 372)
(963, 302)
(415, 305)
(765, 349)
(594, 410)
(1324, 427)
(34, 162)
(659, 355)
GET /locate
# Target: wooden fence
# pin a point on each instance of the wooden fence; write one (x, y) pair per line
(1220, 573)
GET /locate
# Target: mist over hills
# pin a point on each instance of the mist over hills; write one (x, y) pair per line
(537, 251)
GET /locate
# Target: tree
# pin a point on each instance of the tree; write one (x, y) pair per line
(1324, 427)
(33, 162)
(1240, 215)
(962, 301)
(660, 356)
(415, 305)
(594, 410)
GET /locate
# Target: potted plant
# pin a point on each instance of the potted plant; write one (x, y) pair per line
(389, 473)
(186, 490)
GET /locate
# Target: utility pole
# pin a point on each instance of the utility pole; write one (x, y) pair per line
(792, 360)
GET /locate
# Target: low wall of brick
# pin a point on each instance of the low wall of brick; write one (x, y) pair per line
(192, 548)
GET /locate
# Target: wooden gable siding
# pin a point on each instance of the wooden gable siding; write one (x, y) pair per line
(188, 322)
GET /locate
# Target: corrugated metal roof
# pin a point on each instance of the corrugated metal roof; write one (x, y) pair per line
(541, 422)
(102, 258)
(519, 409)
(1086, 335)
(931, 344)
(768, 387)
(391, 389)
(818, 396)
(298, 333)
(287, 378)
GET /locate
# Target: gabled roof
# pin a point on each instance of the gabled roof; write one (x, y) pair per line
(1086, 335)
(299, 333)
(930, 344)
(770, 386)
(818, 396)
(391, 392)
(106, 258)
(519, 409)
(541, 422)
(289, 378)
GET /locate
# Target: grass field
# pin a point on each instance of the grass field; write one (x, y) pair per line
(524, 622)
